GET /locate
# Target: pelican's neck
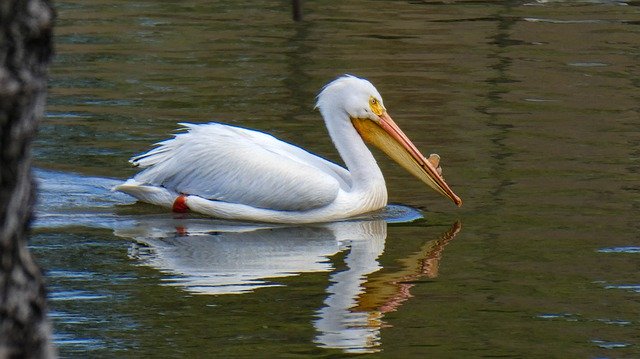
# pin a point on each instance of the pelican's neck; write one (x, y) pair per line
(364, 170)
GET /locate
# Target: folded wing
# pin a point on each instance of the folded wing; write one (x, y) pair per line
(232, 164)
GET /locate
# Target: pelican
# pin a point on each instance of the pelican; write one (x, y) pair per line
(235, 173)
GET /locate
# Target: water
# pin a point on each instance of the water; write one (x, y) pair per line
(533, 107)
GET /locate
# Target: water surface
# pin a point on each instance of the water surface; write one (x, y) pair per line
(533, 107)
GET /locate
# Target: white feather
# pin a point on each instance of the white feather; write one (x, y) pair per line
(226, 163)
(236, 173)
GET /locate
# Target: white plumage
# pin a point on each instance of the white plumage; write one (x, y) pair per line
(214, 161)
(235, 173)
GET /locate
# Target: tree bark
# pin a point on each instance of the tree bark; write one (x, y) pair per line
(25, 53)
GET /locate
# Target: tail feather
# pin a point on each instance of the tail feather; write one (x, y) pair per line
(161, 152)
(151, 194)
(150, 158)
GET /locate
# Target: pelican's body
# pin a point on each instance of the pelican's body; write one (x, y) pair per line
(235, 173)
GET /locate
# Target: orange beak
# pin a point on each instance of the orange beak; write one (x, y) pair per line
(388, 137)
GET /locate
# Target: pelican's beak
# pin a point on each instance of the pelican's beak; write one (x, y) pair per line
(388, 137)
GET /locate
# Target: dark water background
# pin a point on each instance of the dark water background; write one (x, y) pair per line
(533, 106)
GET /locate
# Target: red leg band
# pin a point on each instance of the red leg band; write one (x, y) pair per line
(180, 204)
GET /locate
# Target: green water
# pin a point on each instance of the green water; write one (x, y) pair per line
(533, 107)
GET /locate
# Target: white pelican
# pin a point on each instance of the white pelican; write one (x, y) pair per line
(235, 173)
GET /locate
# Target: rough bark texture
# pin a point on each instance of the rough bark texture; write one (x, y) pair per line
(25, 52)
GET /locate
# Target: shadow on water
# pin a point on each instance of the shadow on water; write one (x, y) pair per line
(205, 256)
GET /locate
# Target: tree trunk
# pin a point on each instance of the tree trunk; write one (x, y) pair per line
(25, 53)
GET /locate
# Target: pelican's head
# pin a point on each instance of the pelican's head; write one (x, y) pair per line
(356, 96)
(362, 102)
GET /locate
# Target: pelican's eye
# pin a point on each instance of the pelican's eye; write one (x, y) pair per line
(376, 106)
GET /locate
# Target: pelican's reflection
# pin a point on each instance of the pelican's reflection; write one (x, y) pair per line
(208, 257)
(215, 257)
(352, 316)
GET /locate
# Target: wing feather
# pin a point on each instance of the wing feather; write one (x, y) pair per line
(237, 165)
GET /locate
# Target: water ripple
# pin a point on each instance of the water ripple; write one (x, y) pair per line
(610, 345)
(75, 295)
(623, 249)
(629, 287)
(62, 339)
